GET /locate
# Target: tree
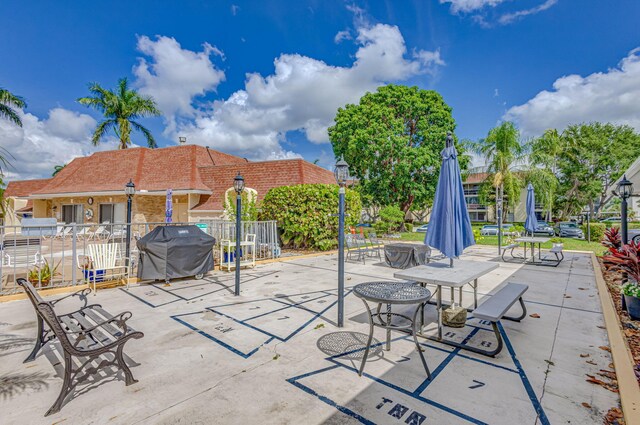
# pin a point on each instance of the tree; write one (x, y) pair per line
(57, 169)
(121, 109)
(9, 101)
(392, 141)
(503, 152)
(593, 157)
(545, 152)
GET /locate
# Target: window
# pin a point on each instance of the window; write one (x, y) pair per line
(112, 213)
(73, 214)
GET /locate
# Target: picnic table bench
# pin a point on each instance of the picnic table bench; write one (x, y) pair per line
(494, 309)
(86, 333)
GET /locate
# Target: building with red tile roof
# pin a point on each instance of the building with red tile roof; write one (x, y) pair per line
(91, 189)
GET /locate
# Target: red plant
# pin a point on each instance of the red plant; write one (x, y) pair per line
(612, 239)
(625, 259)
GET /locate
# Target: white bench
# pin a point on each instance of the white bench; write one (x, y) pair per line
(494, 309)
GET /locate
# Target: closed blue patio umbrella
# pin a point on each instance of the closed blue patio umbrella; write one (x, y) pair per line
(532, 222)
(168, 208)
(449, 227)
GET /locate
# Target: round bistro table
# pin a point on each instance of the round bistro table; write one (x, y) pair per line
(389, 293)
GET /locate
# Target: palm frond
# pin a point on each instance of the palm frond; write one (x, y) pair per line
(151, 142)
(10, 114)
(101, 130)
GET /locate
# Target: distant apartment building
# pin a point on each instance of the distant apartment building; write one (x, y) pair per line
(479, 212)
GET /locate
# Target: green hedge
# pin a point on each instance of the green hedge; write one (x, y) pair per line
(597, 231)
(307, 214)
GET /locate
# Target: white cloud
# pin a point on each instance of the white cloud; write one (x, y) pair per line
(304, 94)
(173, 76)
(342, 35)
(466, 6)
(610, 96)
(508, 18)
(42, 144)
(235, 9)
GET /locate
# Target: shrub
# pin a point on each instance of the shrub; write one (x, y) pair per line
(392, 215)
(307, 214)
(597, 231)
(382, 227)
(409, 227)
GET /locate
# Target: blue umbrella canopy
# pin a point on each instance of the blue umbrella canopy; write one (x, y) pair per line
(449, 227)
(168, 209)
(532, 222)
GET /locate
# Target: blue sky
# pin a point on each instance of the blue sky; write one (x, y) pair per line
(263, 79)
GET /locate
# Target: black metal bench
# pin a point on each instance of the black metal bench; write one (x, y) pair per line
(88, 332)
(494, 309)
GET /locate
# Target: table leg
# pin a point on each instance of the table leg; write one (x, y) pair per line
(438, 309)
(415, 339)
(366, 351)
(475, 293)
(525, 252)
(388, 330)
(460, 296)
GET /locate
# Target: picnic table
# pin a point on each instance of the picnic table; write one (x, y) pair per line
(532, 240)
(462, 273)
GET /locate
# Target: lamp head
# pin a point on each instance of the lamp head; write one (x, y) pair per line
(130, 188)
(238, 183)
(625, 188)
(341, 172)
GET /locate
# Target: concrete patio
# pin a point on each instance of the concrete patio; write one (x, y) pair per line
(274, 355)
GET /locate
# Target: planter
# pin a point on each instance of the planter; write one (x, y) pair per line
(42, 283)
(632, 305)
(88, 275)
(558, 244)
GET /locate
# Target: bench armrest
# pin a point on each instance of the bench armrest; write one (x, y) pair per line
(82, 294)
(119, 320)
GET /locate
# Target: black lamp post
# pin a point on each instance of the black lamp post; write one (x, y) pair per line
(129, 190)
(341, 173)
(624, 191)
(238, 186)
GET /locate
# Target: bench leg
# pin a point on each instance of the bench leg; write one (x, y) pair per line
(40, 341)
(522, 316)
(66, 386)
(128, 376)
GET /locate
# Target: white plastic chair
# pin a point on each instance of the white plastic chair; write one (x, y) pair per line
(103, 256)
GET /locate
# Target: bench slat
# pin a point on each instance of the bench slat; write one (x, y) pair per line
(115, 331)
(73, 326)
(495, 307)
(97, 334)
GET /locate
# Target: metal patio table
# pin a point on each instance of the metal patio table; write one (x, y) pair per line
(532, 240)
(390, 293)
(462, 273)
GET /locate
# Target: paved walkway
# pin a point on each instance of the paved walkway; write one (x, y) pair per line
(274, 356)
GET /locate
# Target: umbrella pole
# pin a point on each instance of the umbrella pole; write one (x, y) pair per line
(451, 262)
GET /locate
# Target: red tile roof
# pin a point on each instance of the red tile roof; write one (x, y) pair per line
(150, 169)
(24, 188)
(476, 177)
(260, 176)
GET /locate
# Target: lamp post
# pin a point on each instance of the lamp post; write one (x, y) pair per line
(499, 214)
(238, 186)
(129, 190)
(341, 173)
(624, 191)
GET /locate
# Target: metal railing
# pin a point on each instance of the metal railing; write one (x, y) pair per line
(62, 249)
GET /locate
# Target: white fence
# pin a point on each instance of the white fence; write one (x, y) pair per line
(62, 248)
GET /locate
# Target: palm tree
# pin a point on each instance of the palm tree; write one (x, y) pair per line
(8, 101)
(121, 108)
(543, 173)
(503, 152)
(57, 169)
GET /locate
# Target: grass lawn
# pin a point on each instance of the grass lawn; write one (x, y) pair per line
(569, 244)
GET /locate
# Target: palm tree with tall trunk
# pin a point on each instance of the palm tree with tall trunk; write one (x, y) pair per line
(9, 101)
(121, 108)
(503, 153)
